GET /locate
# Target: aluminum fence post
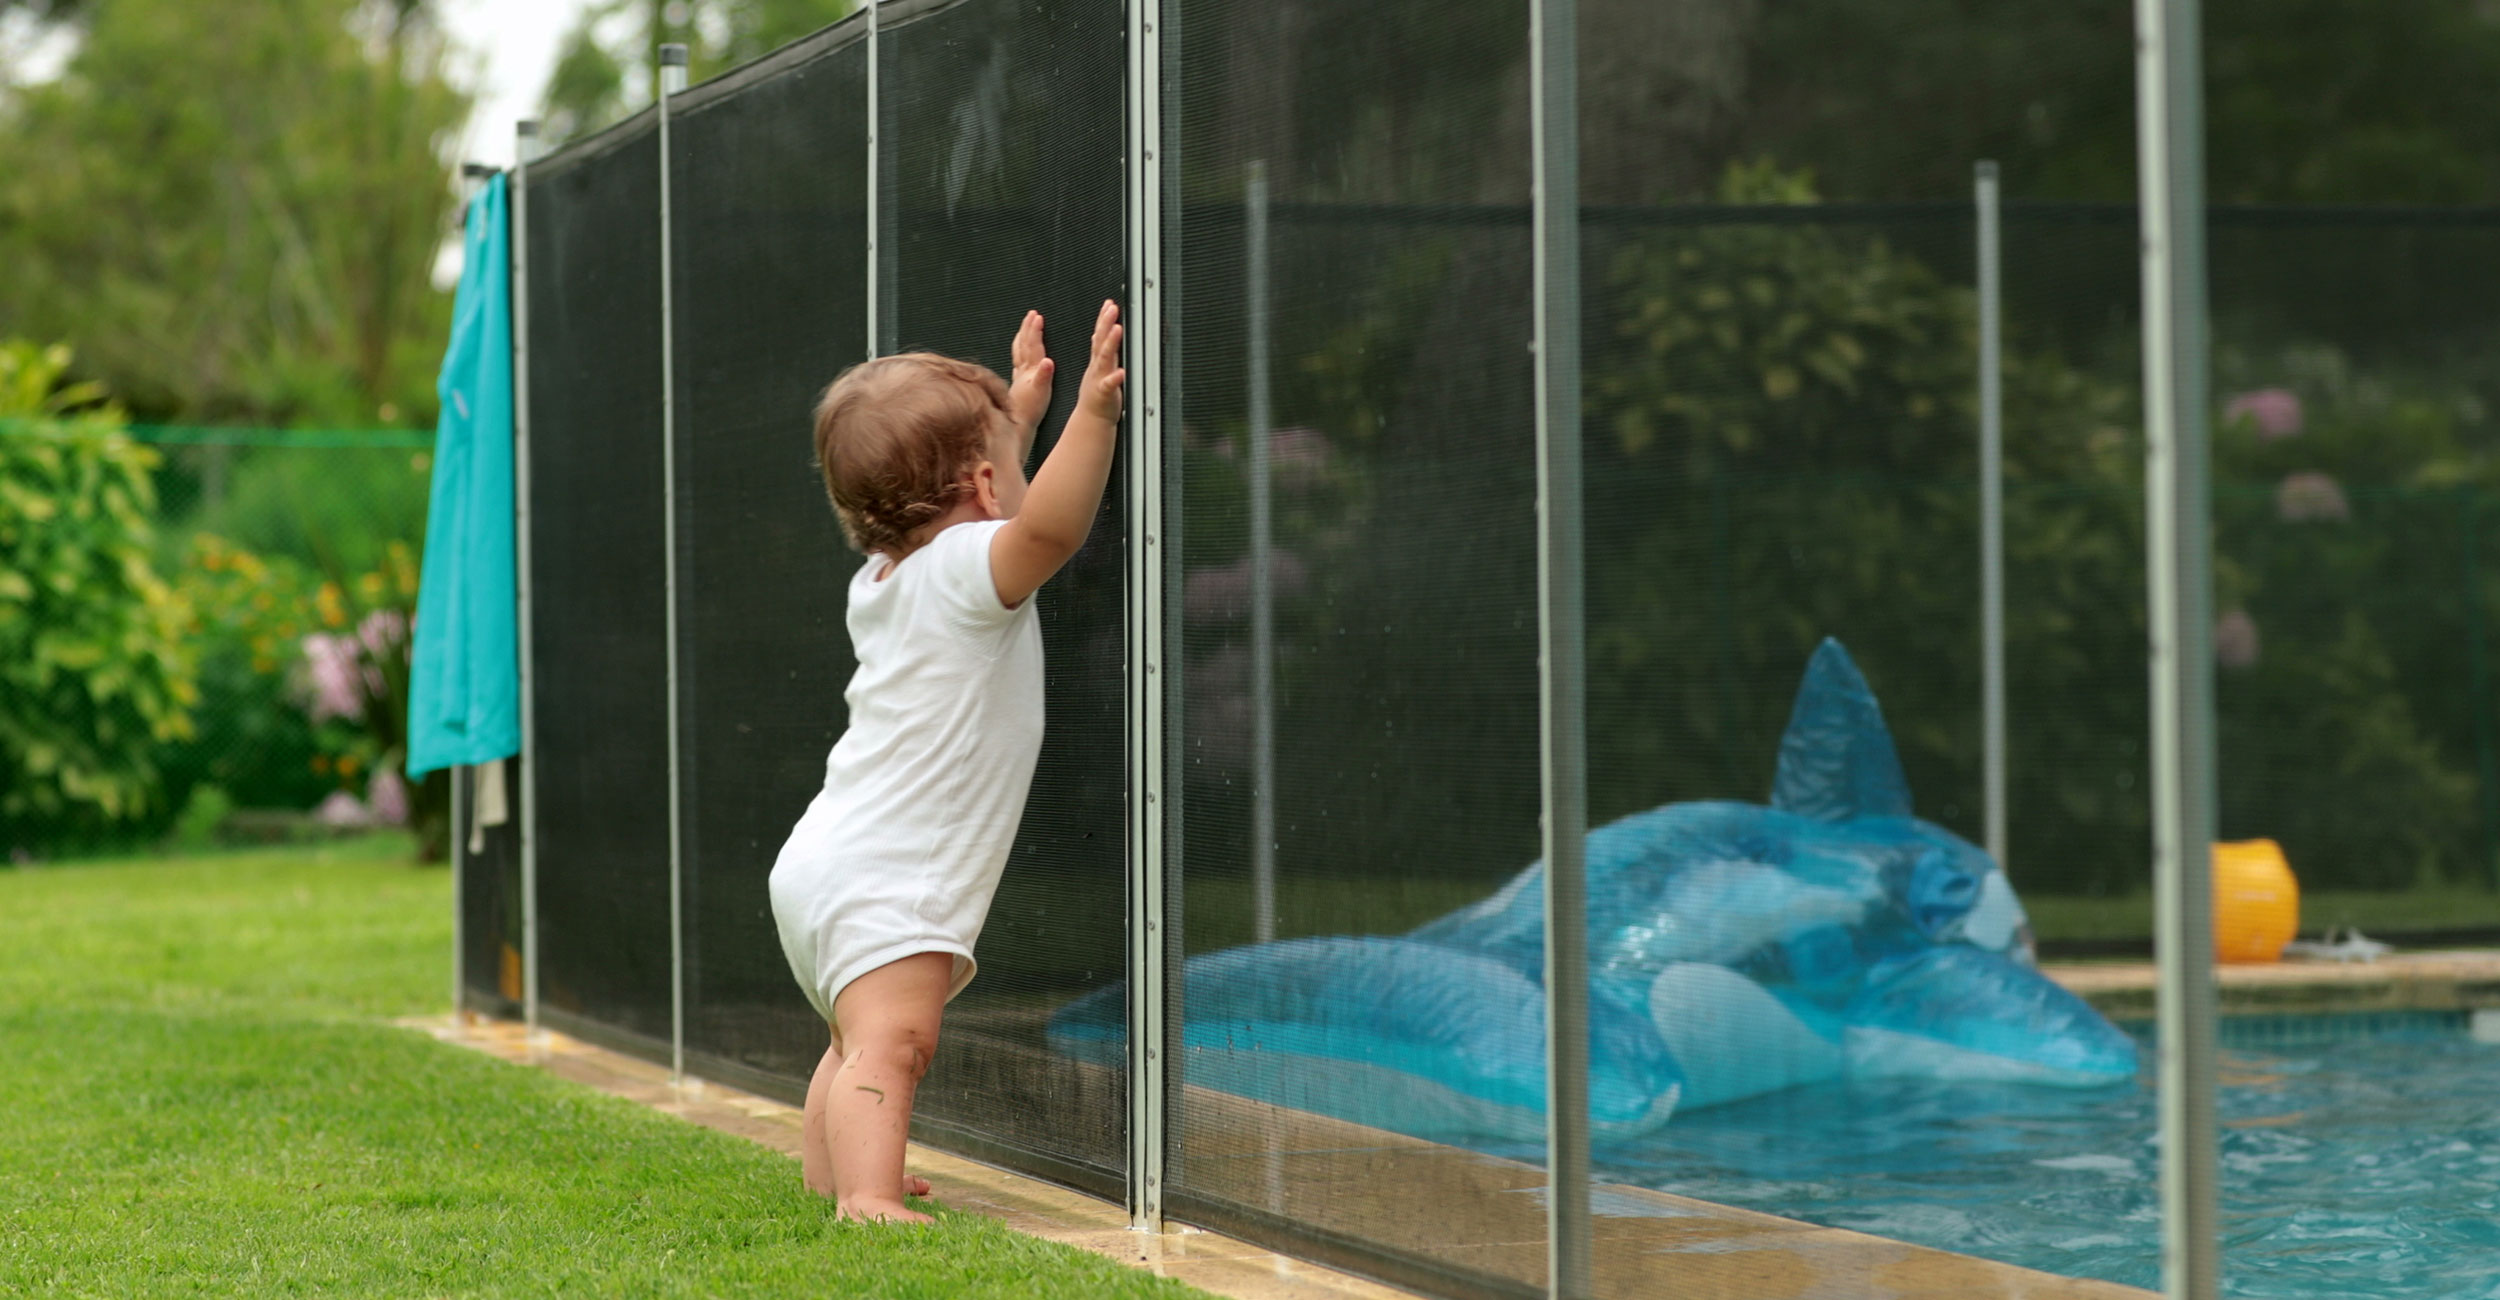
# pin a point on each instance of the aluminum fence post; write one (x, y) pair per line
(527, 147)
(1262, 558)
(473, 178)
(459, 936)
(1555, 128)
(2171, 175)
(458, 847)
(672, 80)
(876, 311)
(1991, 508)
(1262, 598)
(1146, 679)
(2487, 784)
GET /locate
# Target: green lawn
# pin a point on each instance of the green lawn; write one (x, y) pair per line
(202, 1097)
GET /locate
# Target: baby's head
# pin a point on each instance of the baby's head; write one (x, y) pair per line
(908, 440)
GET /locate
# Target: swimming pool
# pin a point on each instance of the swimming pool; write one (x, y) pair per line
(2360, 1158)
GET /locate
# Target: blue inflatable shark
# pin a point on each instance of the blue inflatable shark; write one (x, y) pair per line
(1734, 949)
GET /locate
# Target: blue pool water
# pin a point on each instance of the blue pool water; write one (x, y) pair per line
(2353, 1166)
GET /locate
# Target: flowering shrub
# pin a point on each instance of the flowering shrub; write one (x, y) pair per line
(305, 682)
(1316, 502)
(2271, 413)
(246, 615)
(354, 678)
(2348, 531)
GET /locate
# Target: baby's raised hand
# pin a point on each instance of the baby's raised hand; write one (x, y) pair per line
(1028, 391)
(1099, 396)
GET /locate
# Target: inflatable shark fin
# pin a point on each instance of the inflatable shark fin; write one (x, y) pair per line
(1837, 760)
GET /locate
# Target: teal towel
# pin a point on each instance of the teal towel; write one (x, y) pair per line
(464, 699)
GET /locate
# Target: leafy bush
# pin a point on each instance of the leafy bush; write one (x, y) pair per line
(1782, 448)
(203, 812)
(1788, 452)
(95, 674)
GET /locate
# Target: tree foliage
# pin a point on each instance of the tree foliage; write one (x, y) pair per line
(235, 209)
(603, 69)
(2364, 101)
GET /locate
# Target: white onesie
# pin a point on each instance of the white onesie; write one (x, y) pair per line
(901, 851)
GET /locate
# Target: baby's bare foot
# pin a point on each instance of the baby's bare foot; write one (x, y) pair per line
(913, 1185)
(872, 1210)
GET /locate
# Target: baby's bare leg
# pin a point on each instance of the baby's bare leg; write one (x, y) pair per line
(816, 1131)
(815, 1150)
(888, 1021)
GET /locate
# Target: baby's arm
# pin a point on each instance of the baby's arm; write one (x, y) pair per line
(1059, 508)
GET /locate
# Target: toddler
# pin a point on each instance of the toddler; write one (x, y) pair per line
(885, 881)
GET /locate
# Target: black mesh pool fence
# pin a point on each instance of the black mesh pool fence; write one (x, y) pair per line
(1781, 388)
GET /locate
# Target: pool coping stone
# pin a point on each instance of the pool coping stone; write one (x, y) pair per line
(2456, 981)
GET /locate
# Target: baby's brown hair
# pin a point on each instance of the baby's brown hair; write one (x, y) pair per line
(895, 437)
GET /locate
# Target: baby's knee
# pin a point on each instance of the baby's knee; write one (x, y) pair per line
(903, 1049)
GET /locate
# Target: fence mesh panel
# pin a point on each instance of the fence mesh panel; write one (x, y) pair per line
(1001, 192)
(1784, 512)
(1354, 621)
(600, 691)
(2354, 387)
(770, 226)
(487, 856)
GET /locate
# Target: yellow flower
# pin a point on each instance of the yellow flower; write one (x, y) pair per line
(371, 585)
(347, 765)
(403, 565)
(321, 763)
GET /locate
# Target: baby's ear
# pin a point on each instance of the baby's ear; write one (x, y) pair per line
(985, 489)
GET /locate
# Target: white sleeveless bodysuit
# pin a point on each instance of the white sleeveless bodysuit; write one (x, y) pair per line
(901, 851)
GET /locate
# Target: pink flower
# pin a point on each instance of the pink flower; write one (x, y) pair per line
(1220, 716)
(2235, 640)
(387, 796)
(333, 672)
(2274, 411)
(1222, 592)
(1299, 458)
(342, 671)
(342, 809)
(2310, 495)
(383, 632)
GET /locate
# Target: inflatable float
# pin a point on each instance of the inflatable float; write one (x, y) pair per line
(1734, 949)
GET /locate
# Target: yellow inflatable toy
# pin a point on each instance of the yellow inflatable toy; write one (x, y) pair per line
(2256, 901)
